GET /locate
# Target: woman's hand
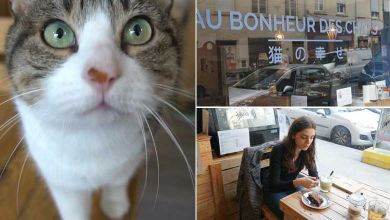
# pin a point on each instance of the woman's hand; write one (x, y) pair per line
(307, 182)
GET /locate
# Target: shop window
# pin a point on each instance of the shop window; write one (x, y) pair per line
(341, 8)
(334, 50)
(291, 7)
(316, 84)
(259, 6)
(320, 6)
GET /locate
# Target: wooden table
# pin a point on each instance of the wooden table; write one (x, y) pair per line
(384, 102)
(293, 208)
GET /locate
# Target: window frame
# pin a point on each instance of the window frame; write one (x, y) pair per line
(318, 3)
(375, 13)
(339, 6)
(258, 6)
(288, 7)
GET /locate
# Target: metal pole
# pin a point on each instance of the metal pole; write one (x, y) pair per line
(305, 44)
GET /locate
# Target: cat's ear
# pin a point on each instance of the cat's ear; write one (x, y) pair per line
(19, 7)
(177, 9)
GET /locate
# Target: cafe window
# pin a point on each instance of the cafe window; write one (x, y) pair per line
(375, 8)
(315, 84)
(320, 5)
(341, 7)
(340, 57)
(259, 6)
(291, 7)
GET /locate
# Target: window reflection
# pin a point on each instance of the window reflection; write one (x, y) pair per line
(334, 45)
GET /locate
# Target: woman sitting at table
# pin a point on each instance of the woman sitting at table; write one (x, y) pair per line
(287, 159)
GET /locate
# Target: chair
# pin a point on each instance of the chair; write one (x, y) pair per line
(224, 177)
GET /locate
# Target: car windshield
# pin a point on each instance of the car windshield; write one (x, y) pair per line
(261, 79)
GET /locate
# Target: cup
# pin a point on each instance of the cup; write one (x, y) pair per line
(325, 184)
(377, 210)
(356, 206)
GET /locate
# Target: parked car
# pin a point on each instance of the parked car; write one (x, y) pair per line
(234, 76)
(344, 126)
(313, 81)
(350, 64)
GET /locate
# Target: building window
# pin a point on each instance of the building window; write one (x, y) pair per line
(341, 8)
(320, 5)
(375, 8)
(259, 6)
(291, 7)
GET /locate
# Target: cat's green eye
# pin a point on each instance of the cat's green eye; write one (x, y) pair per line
(58, 34)
(137, 32)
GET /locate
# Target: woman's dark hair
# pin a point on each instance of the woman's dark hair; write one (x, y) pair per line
(306, 158)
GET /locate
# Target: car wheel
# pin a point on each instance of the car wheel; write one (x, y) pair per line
(341, 135)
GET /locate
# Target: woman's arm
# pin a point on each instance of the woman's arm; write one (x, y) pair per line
(307, 182)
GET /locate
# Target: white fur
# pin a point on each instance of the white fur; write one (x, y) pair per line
(78, 150)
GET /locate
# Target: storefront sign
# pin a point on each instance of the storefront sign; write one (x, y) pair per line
(286, 23)
(276, 54)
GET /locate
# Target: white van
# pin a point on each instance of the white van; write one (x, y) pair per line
(351, 64)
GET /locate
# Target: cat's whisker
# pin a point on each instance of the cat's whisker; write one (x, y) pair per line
(9, 121)
(177, 92)
(173, 138)
(10, 157)
(157, 160)
(146, 157)
(12, 120)
(23, 94)
(173, 88)
(12, 124)
(18, 187)
(11, 92)
(175, 109)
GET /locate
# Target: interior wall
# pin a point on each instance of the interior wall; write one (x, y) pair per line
(4, 11)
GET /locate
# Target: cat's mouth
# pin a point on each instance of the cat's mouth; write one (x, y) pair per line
(103, 107)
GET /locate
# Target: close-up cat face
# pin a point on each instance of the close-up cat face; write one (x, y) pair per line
(91, 61)
(95, 83)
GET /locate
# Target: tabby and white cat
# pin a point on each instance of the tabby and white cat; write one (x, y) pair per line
(85, 74)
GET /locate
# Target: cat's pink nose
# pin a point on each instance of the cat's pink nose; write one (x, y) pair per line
(101, 79)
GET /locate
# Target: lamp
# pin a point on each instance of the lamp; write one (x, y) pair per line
(332, 32)
(279, 36)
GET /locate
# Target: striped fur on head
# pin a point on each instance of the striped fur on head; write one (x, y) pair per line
(31, 62)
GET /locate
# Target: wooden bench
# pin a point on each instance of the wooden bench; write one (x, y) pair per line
(224, 175)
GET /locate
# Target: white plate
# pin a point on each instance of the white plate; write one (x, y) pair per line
(325, 203)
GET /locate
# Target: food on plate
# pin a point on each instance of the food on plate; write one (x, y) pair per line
(315, 199)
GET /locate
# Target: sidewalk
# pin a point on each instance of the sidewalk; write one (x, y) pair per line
(347, 162)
